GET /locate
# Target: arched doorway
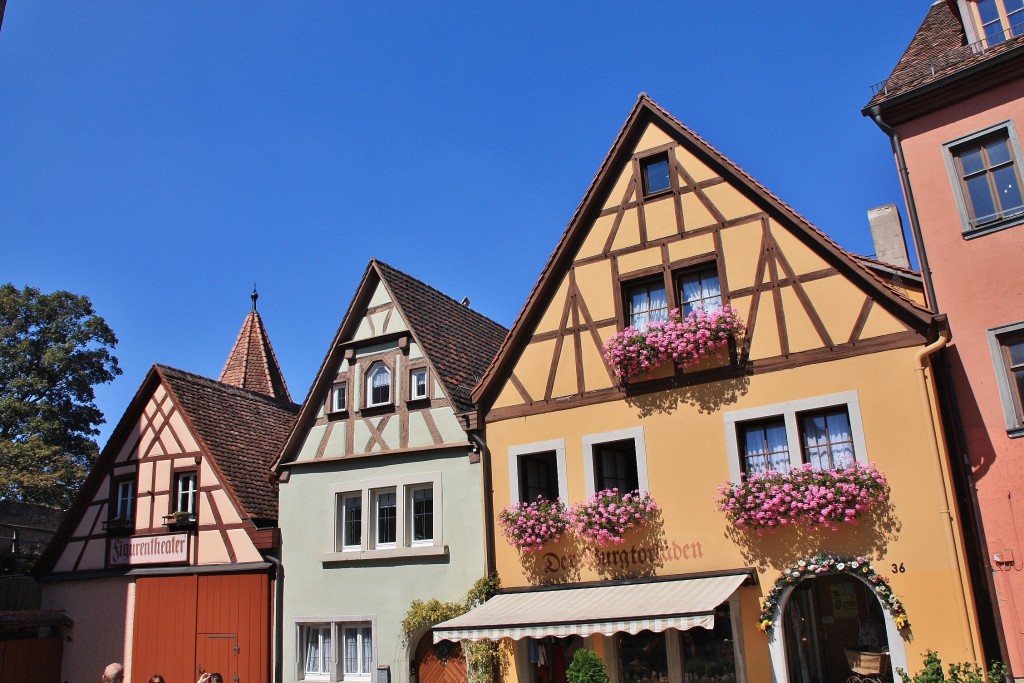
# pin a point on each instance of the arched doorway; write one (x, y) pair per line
(439, 662)
(825, 616)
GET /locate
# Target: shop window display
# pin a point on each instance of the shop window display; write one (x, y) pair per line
(709, 656)
(549, 657)
(643, 658)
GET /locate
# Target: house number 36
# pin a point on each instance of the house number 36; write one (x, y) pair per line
(898, 568)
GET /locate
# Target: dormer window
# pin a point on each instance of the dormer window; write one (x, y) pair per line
(998, 20)
(378, 386)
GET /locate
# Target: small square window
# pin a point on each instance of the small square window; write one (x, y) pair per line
(421, 515)
(645, 303)
(827, 440)
(185, 492)
(764, 446)
(615, 466)
(986, 177)
(385, 505)
(349, 529)
(339, 397)
(418, 384)
(538, 476)
(699, 289)
(655, 173)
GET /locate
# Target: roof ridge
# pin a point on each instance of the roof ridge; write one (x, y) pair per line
(286, 404)
(459, 304)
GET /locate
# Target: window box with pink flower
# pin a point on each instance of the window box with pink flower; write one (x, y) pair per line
(605, 517)
(529, 527)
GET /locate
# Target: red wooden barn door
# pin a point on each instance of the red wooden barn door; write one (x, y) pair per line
(235, 605)
(35, 660)
(165, 629)
(218, 653)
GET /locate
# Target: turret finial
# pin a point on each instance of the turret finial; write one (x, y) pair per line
(255, 295)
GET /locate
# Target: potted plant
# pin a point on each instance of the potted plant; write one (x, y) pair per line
(180, 519)
(119, 525)
(531, 526)
(606, 516)
(586, 667)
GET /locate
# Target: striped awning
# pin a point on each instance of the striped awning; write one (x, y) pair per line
(621, 608)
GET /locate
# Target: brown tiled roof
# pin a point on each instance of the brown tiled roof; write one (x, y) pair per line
(938, 50)
(458, 341)
(243, 431)
(252, 364)
(31, 620)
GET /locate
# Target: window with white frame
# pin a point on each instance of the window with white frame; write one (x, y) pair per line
(185, 492)
(421, 515)
(339, 397)
(615, 460)
(537, 470)
(357, 655)
(984, 169)
(349, 525)
(385, 507)
(417, 383)
(125, 508)
(824, 431)
(318, 660)
(316, 652)
(378, 386)
(1007, 346)
(386, 517)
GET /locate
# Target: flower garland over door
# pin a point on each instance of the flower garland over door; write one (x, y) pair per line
(822, 563)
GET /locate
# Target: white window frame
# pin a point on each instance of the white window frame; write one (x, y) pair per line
(339, 391)
(789, 412)
(514, 453)
(949, 154)
(341, 518)
(367, 490)
(125, 509)
(413, 395)
(190, 493)
(375, 499)
(639, 444)
(374, 370)
(321, 628)
(359, 627)
(337, 625)
(410, 493)
(1007, 393)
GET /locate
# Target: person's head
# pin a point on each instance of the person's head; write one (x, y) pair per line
(216, 678)
(156, 678)
(114, 673)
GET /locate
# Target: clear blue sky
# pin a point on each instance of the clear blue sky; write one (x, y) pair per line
(160, 157)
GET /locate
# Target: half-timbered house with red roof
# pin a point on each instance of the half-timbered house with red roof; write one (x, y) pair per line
(708, 531)
(381, 486)
(166, 560)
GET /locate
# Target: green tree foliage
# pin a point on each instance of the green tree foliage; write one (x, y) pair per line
(958, 673)
(586, 667)
(53, 350)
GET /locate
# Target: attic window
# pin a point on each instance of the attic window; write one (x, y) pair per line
(654, 171)
(998, 20)
(378, 386)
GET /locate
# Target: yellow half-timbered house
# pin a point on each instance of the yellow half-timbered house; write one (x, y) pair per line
(829, 374)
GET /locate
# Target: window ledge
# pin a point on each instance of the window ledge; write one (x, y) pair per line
(378, 410)
(357, 556)
(658, 194)
(995, 226)
(1015, 432)
(418, 400)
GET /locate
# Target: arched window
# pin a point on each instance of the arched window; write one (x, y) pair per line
(378, 386)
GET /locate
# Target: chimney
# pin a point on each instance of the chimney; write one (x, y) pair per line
(887, 234)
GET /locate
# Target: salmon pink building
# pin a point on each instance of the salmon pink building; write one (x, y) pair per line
(953, 109)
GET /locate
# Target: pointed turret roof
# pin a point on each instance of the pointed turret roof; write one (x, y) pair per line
(252, 365)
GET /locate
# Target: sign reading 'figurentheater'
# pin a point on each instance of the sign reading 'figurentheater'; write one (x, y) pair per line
(149, 549)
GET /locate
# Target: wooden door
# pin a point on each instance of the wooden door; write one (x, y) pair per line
(237, 604)
(35, 660)
(165, 629)
(218, 653)
(440, 663)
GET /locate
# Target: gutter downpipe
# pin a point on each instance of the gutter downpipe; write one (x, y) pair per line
(908, 197)
(943, 486)
(278, 615)
(485, 474)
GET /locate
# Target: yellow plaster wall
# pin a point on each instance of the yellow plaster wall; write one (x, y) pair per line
(687, 460)
(690, 247)
(593, 244)
(697, 170)
(618, 191)
(636, 261)
(628, 234)
(594, 281)
(695, 214)
(729, 201)
(660, 218)
(553, 315)
(652, 137)
(799, 255)
(742, 246)
(839, 320)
